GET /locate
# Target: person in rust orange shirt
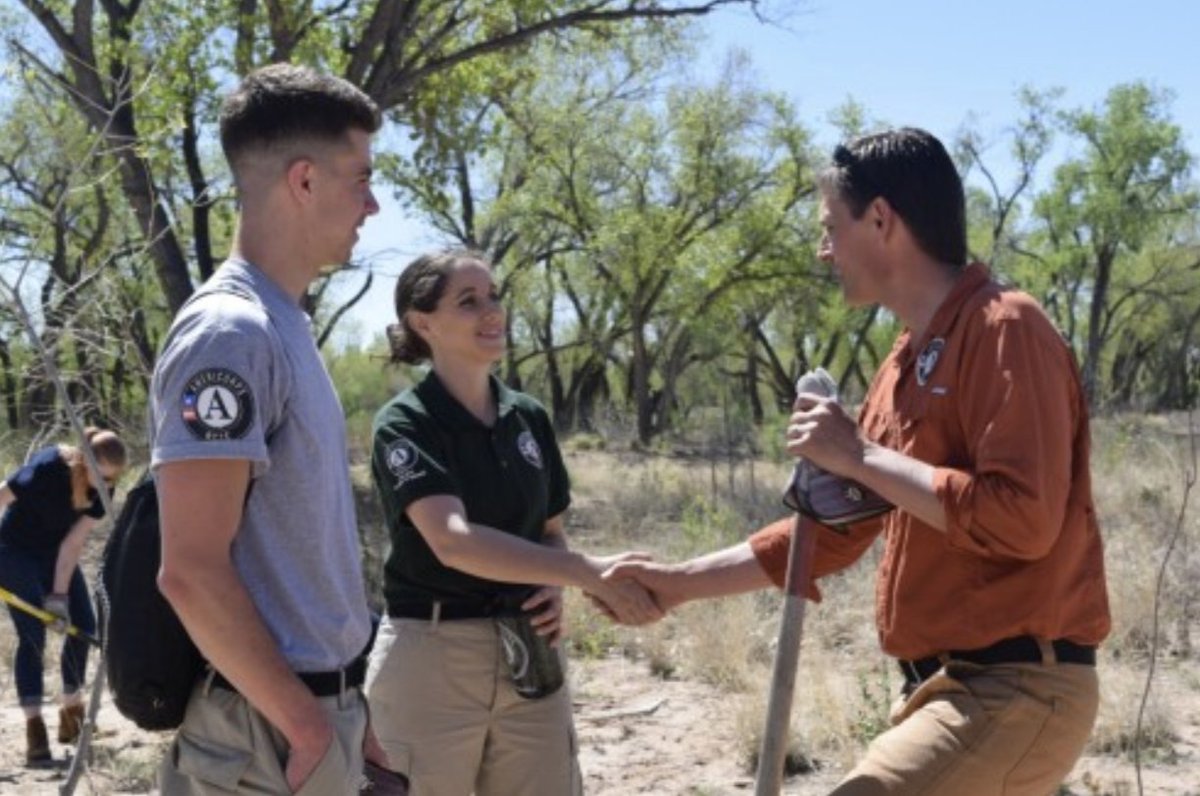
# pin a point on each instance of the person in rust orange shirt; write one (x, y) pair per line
(991, 590)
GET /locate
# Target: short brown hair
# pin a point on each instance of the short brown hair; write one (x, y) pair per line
(911, 170)
(284, 103)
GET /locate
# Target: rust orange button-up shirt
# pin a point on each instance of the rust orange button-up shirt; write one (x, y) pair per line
(992, 398)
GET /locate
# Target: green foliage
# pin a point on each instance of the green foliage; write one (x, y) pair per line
(365, 382)
(1105, 215)
(137, 88)
(627, 233)
(654, 237)
(591, 635)
(707, 524)
(873, 717)
(1109, 246)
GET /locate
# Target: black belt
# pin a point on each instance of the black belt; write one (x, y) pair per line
(1020, 649)
(322, 684)
(431, 609)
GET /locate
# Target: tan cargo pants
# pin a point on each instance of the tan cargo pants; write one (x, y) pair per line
(225, 746)
(446, 713)
(1002, 730)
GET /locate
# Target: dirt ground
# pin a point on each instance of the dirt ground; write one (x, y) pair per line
(638, 734)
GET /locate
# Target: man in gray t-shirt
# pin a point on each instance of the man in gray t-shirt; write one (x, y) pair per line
(260, 546)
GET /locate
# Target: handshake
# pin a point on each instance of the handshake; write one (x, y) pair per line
(632, 589)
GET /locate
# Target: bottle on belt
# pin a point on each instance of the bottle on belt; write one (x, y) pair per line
(533, 665)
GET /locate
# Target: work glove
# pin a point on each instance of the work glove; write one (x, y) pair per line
(58, 605)
(829, 499)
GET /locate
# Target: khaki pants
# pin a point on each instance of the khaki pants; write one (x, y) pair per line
(1004, 730)
(445, 711)
(225, 746)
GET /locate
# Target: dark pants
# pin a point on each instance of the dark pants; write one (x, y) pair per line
(30, 576)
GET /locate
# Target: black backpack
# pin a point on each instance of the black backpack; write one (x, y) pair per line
(152, 662)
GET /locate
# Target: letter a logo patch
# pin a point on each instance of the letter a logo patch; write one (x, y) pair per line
(217, 404)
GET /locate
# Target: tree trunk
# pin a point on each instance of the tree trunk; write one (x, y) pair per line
(592, 385)
(750, 385)
(643, 401)
(1095, 336)
(9, 387)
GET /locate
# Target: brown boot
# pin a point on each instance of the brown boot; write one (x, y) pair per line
(70, 723)
(37, 745)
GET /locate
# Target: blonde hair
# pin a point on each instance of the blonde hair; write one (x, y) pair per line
(106, 446)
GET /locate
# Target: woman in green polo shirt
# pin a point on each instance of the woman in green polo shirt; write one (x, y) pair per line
(474, 490)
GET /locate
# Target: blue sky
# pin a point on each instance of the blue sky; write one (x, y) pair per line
(927, 63)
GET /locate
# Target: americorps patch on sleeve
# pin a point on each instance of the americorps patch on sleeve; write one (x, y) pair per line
(217, 404)
(401, 459)
(529, 448)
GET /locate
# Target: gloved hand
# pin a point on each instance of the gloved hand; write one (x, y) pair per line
(828, 498)
(58, 605)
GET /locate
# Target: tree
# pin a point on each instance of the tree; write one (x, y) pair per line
(1107, 210)
(417, 58)
(997, 211)
(146, 78)
(65, 252)
(665, 211)
(620, 212)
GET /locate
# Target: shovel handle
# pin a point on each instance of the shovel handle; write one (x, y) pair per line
(46, 617)
(769, 778)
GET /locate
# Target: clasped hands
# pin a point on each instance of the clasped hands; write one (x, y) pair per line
(631, 588)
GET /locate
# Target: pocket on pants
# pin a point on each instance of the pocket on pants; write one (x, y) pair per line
(210, 762)
(330, 774)
(401, 761)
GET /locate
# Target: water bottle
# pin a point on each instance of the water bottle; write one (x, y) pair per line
(533, 665)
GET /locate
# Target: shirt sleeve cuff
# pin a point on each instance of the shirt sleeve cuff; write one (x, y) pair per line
(771, 546)
(953, 490)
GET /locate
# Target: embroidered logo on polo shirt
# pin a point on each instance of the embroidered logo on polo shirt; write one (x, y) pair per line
(528, 447)
(927, 360)
(401, 459)
(217, 404)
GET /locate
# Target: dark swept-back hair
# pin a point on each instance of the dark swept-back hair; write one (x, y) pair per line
(420, 287)
(911, 170)
(284, 103)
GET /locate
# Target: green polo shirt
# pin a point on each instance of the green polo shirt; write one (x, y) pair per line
(510, 477)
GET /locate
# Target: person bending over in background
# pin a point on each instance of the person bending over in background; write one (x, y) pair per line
(474, 490)
(51, 505)
(991, 590)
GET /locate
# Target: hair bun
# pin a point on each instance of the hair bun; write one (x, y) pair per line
(399, 343)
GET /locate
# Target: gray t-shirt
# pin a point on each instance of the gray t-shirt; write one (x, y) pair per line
(241, 369)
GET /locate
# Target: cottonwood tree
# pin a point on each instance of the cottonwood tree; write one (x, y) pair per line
(1106, 214)
(66, 252)
(664, 211)
(996, 211)
(417, 58)
(622, 212)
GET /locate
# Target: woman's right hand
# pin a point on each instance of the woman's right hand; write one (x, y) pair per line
(623, 600)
